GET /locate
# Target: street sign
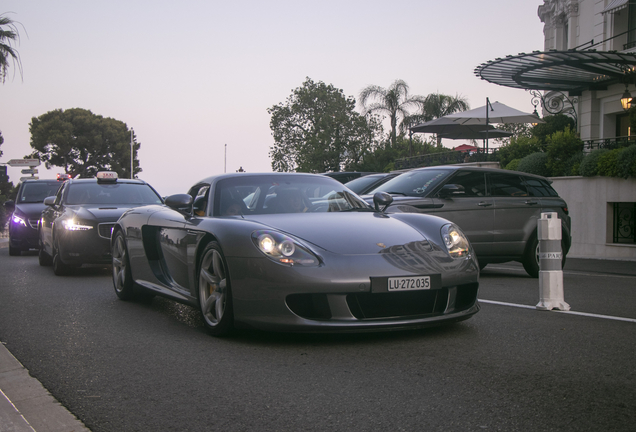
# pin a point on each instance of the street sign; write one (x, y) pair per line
(24, 162)
(29, 178)
(29, 171)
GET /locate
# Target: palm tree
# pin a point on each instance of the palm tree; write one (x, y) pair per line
(8, 36)
(436, 105)
(393, 101)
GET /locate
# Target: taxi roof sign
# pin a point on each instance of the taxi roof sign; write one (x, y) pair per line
(106, 176)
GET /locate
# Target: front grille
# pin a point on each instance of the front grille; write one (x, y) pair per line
(105, 229)
(397, 304)
(411, 303)
(34, 223)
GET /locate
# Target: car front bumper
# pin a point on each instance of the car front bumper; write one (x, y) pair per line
(350, 295)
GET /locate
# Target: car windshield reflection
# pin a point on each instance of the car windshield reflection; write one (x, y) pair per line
(258, 195)
(415, 183)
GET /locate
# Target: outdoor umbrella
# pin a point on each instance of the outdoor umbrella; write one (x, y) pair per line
(492, 113)
(466, 147)
(445, 125)
(477, 134)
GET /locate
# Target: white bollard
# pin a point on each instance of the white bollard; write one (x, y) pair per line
(550, 267)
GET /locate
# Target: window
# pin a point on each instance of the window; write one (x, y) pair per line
(539, 188)
(506, 185)
(624, 229)
(474, 183)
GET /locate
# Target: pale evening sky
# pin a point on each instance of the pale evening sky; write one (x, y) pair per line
(194, 75)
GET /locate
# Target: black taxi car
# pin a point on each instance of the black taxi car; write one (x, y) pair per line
(25, 213)
(76, 225)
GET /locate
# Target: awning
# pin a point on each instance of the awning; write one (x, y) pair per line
(568, 71)
(615, 6)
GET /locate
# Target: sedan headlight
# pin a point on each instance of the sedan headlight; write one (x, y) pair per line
(18, 219)
(74, 225)
(283, 249)
(456, 242)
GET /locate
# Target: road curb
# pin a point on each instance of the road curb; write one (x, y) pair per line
(25, 405)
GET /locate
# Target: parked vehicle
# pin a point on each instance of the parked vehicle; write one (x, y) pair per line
(76, 225)
(345, 176)
(295, 252)
(497, 209)
(365, 184)
(26, 211)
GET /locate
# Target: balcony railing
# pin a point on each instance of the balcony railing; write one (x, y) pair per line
(609, 143)
(443, 158)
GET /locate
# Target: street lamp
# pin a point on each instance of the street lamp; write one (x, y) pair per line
(626, 99)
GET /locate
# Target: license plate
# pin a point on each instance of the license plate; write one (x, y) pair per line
(409, 283)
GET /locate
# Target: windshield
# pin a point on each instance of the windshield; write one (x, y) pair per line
(32, 192)
(361, 183)
(118, 193)
(277, 194)
(415, 183)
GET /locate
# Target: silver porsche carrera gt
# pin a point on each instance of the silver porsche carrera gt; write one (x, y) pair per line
(295, 252)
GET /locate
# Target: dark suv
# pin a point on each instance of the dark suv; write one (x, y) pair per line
(497, 209)
(26, 211)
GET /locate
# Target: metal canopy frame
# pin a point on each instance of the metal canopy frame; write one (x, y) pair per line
(569, 71)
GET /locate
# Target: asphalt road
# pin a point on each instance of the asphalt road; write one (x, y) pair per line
(126, 366)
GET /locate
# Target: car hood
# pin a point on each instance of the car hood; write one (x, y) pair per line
(105, 213)
(344, 233)
(31, 210)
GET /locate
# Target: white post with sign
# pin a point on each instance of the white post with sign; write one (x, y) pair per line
(550, 263)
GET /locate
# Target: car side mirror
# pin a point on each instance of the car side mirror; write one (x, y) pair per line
(382, 199)
(451, 190)
(49, 201)
(179, 202)
(9, 205)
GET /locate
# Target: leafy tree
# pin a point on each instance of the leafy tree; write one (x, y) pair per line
(589, 165)
(436, 105)
(561, 147)
(518, 148)
(82, 142)
(393, 101)
(517, 129)
(317, 130)
(8, 37)
(608, 163)
(382, 158)
(554, 123)
(535, 163)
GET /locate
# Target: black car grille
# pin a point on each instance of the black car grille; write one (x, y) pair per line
(105, 229)
(411, 303)
(388, 305)
(34, 223)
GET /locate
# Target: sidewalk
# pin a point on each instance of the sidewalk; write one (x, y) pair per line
(26, 406)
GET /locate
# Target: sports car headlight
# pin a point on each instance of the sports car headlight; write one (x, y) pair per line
(74, 225)
(283, 249)
(18, 220)
(455, 241)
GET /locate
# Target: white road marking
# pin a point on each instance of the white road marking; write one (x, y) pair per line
(571, 272)
(570, 312)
